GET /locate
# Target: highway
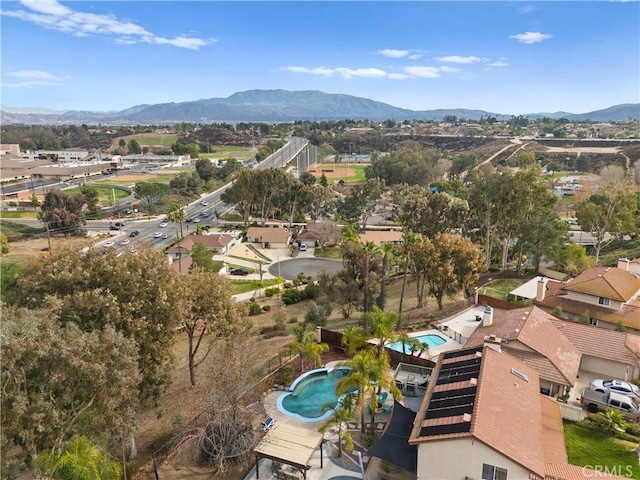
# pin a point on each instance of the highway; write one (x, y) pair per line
(207, 205)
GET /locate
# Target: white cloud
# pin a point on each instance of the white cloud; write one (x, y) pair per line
(415, 56)
(531, 37)
(423, 72)
(50, 14)
(526, 9)
(497, 63)
(31, 79)
(458, 59)
(341, 71)
(391, 53)
(399, 76)
(447, 69)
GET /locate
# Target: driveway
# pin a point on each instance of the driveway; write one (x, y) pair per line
(289, 269)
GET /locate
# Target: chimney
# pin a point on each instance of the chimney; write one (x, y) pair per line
(623, 264)
(493, 342)
(487, 317)
(541, 289)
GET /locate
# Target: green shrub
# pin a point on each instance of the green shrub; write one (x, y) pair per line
(270, 292)
(311, 290)
(633, 429)
(287, 375)
(266, 308)
(254, 308)
(291, 296)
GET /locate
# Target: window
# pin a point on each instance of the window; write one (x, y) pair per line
(489, 472)
(593, 322)
(604, 301)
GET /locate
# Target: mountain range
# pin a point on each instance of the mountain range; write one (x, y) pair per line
(283, 106)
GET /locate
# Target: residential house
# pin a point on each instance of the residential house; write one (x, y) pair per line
(530, 335)
(483, 417)
(379, 237)
(327, 233)
(268, 237)
(217, 244)
(610, 295)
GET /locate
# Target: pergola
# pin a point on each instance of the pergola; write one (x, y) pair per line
(290, 445)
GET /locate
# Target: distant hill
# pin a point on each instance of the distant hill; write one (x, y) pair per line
(286, 106)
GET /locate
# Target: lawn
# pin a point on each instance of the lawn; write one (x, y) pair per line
(151, 140)
(355, 172)
(334, 252)
(242, 286)
(500, 288)
(106, 194)
(586, 447)
(19, 214)
(15, 231)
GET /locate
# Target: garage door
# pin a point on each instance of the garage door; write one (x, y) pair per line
(606, 368)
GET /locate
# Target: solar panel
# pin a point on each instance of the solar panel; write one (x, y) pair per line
(462, 353)
(448, 402)
(462, 427)
(452, 378)
(456, 392)
(462, 363)
(459, 370)
(449, 411)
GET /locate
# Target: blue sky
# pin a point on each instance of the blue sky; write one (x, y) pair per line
(504, 57)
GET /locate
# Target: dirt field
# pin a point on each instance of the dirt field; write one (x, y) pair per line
(136, 178)
(338, 171)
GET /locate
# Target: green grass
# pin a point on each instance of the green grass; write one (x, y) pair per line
(14, 231)
(586, 447)
(500, 288)
(357, 177)
(333, 252)
(619, 249)
(20, 214)
(105, 194)
(242, 286)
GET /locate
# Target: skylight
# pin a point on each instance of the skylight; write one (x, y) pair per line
(520, 374)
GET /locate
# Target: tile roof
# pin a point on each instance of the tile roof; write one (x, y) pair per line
(506, 410)
(532, 327)
(209, 241)
(606, 282)
(600, 342)
(539, 363)
(268, 234)
(629, 314)
(380, 236)
(554, 447)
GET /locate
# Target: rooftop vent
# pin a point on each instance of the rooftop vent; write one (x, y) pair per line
(520, 374)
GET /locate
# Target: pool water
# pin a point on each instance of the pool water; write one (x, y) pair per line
(430, 339)
(311, 394)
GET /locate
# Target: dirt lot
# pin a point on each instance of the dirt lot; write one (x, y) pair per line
(338, 171)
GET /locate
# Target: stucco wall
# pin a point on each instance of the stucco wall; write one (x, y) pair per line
(459, 458)
(606, 368)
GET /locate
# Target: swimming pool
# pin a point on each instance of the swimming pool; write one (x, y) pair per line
(310, 392)
(431, 339)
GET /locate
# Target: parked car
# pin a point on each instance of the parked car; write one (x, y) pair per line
(617, 386)
(134, 233)
(239, 271)
(157, 235)
(600, 402)
(303, 247)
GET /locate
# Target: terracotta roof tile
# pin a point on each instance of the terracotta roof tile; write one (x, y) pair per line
(606, 282)
(532, 327)
(268, 234)
(209, 241)
(540, 364)
(380, 236)
(553, 432)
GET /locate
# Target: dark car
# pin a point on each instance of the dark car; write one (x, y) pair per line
(189, 219)
(114, 227)
(239, 271)
(134, 233)
(205, 214)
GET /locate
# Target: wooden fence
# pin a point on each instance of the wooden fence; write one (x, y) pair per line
(497, 303)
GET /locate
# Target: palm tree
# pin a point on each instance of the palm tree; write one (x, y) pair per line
(340, 414)
(382, 327)
(177, 215)
(408, 240)
(305, 344)
(363, 369)
(79, 460)
(354, 338)
(368, 252)
(386, 249)
(381, 375)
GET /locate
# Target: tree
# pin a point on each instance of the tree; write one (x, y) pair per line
(151, 192)
(10, 273)
(305, 344)
(80, 459)
(422, 211)
(207, 309)
(231, 165)
(206, 170)
(134, 147)
(463, 163)
(382, 325)
(340, 415)
(62, 213)
(363, 365)
(450, 264)
(202, 258)
(526, 159)
(4, 244)
(542, 236)
(92, 200)
(361, 261)
(318, 313)
(354, 338)
(177, 215)
(386, 251)
(323, 180)
(409, 240)
(59, 380)
(134, 294)
(608, 214)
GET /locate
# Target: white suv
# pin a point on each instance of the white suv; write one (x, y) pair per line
(303, 247)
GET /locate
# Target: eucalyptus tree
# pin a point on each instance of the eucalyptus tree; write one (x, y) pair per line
(409, 240)
(609, 213)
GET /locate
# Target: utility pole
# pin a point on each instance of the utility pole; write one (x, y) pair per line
(46, 224)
